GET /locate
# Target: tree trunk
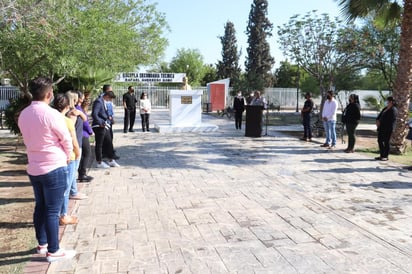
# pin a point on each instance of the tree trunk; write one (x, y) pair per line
(403, 84)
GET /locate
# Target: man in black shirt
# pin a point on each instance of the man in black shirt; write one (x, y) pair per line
(306, 111)
(239, 108)
(129, 105)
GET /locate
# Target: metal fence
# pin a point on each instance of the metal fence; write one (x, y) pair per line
(7, 93)
(287, 98)
(158, 95)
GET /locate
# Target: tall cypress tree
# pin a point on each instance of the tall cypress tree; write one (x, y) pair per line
(259, 62)
(229, 66)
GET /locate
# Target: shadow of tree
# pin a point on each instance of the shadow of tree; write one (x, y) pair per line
(18, 257)
(13, 173)
(387, 185)
(16, 225)
(15, 184)
(4, 201)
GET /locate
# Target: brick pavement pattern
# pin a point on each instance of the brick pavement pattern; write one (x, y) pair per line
(220, 202)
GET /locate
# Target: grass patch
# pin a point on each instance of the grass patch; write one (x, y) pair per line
(404, 159)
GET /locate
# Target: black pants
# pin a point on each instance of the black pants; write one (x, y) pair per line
(383, 142)
(351, 130)
(145, 121)
(103, 139)
(307, 128)
(129, 117)
(238, 119)
(86, 156)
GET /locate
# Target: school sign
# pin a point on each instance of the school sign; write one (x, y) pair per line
(149, 77)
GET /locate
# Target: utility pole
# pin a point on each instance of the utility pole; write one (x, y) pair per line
(297, 88)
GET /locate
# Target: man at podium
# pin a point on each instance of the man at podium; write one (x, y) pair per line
(259, 100)
(254, 115)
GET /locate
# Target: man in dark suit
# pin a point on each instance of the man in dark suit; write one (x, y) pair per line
(101, 126)
(239, 108)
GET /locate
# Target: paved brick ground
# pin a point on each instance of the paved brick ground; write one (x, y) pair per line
(220, 202)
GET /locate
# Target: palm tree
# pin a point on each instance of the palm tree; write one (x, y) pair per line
(388, 11)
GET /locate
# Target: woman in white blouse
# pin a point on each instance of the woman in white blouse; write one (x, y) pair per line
(145, 108)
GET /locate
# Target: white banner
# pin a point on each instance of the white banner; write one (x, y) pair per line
(150, 77)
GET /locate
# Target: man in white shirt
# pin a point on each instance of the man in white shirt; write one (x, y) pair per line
(329, 111)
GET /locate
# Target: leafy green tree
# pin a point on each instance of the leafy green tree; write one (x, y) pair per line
(29, 40)
(67, 37)
(310, 84)
(286, 75)
(229, 67)
(90, 80)
(259, 62)
(380, 49)
(387, 12)
(241, 85)
(189, 61)
(347, 79)
(322, 47)
(373, 80)
(210, 75)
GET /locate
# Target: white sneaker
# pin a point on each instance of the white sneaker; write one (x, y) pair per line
(60, 254)
(113, 163)
(102, 165)
(41, 249)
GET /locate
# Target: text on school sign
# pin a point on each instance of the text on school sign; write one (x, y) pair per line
(150, 77)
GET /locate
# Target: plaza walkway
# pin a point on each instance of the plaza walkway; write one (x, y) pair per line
(220, 202)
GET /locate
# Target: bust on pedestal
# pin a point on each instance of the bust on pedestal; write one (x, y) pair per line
(185, 107)
(185, 113)
(186, 85)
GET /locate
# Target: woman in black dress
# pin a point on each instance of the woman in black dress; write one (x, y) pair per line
(386, 124)
(350, 117)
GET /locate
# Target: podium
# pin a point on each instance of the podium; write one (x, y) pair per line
(253, 121)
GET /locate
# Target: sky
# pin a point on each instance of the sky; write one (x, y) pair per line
(197, 24)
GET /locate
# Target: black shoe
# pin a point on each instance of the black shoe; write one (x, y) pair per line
(115, 157)
(147, 129)
(324, 145)
(381, 159)
(131, 130)
(85, 178)
(124, 131)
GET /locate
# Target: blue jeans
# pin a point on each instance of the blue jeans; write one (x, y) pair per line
(307, 127)
(48, 193)
(330, 132)
(73, 186)
(71, 168)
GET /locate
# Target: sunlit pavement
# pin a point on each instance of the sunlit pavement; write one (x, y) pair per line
(220, 202)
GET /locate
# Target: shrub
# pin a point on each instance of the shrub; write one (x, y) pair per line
(12, 113)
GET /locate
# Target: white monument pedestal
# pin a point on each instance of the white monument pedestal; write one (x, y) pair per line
(185, 113)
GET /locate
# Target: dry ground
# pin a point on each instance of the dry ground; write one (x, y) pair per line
(16, 208)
